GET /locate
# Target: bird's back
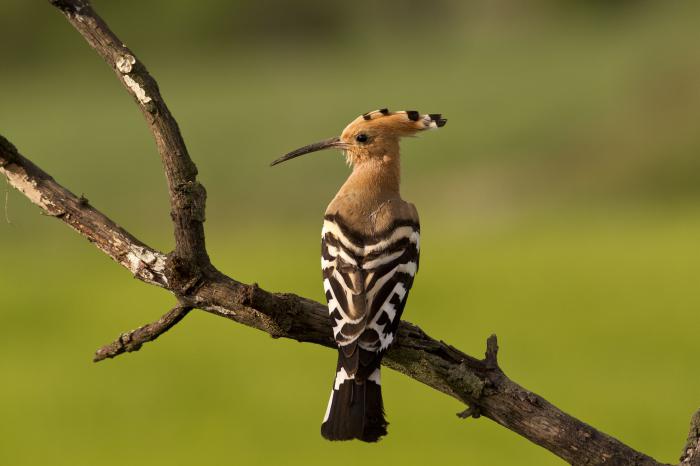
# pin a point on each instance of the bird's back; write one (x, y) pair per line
(370, 257)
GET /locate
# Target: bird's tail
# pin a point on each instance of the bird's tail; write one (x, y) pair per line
(355, 409)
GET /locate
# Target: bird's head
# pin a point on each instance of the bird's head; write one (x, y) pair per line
(373, 135)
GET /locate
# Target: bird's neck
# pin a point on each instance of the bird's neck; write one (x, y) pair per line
(376, 177)
(372, 183)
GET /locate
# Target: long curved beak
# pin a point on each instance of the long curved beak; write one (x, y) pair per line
(332, 143)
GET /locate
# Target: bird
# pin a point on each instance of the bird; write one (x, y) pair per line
(370, 245)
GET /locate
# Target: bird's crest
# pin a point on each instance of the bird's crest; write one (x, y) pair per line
(403, 122)
(433, 120)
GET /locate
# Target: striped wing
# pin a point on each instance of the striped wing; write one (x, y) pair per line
(366, 281)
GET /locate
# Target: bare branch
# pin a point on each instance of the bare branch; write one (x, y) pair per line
(187, 195)
(691, 451)
(491, 352)
(133, 340)
(142, 261)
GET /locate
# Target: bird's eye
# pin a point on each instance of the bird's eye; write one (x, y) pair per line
(362, 137)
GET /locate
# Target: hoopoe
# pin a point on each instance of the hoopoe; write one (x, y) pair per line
(369, 257)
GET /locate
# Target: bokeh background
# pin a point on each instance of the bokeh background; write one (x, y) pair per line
(560, 210)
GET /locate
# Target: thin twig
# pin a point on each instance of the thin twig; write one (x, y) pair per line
(133, 340)
(491, 357)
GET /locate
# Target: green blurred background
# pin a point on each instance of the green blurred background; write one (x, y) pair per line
(559, 209)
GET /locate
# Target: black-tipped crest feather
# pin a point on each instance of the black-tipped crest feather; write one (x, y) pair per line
(412, 115)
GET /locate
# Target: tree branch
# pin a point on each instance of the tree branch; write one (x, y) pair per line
(143, 262)
(133, 340)
(187, 196)
(188, 273)
(691, 451)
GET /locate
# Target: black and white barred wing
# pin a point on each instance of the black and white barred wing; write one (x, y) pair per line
(391, 265)
(367, 282)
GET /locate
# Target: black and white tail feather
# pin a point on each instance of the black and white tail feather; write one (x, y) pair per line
(355, 409)
(366, 280)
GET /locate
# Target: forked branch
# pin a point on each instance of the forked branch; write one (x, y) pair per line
(188, 274)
